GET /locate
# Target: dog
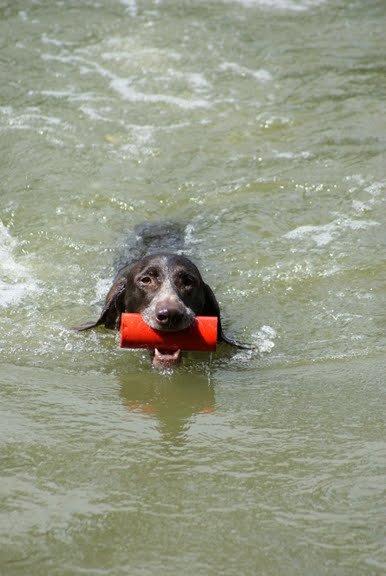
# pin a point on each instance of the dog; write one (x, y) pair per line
(162, 285)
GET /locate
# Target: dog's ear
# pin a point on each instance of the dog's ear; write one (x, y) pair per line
(112, 309)
(212, 308)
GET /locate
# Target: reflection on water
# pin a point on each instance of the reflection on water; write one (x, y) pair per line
(171, 400)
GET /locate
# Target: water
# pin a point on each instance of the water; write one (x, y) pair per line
(260, 125)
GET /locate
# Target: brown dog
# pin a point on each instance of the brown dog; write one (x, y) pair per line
(165, 288)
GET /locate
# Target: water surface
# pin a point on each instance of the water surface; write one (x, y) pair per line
(259, 125)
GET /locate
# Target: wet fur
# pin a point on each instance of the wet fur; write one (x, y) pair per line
(125, 295)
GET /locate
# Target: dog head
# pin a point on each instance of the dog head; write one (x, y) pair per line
(167, 290)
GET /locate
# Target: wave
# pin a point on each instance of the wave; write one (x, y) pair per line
(325, 233)
(123, 86)
(293, 5)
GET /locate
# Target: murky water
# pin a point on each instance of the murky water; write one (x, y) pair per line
(260, 125)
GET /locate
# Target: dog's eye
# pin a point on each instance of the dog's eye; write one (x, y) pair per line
(187, 281)
(145, 280)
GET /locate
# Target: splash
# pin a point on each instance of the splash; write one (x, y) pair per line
(264, 338)
(15, 279)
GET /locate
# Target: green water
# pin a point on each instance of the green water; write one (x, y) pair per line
(260, 125)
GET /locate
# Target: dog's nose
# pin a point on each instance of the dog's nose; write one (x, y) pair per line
(163, 316)
(168, 316)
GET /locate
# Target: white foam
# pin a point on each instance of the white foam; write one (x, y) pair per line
(325, 233)
(375, 188)
(356, 178)
(131, 5)
(70, 94)
(360, 206)
(244, 356)
(142, 134)
(297, 271)
(127, 92)
(15, 279)
(322, 235)
(129, 51)
(190, 237)
(103, 285)
(293, 5)
(261, 74)
(292, 155)
(29, 118)
(54, 42)
(122, 86)
(197, 81)
(264, 338)
(92, 113)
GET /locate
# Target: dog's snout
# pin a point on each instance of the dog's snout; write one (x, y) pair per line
(168, 315)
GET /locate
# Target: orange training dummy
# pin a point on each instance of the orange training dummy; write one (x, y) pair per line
(200, 336)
